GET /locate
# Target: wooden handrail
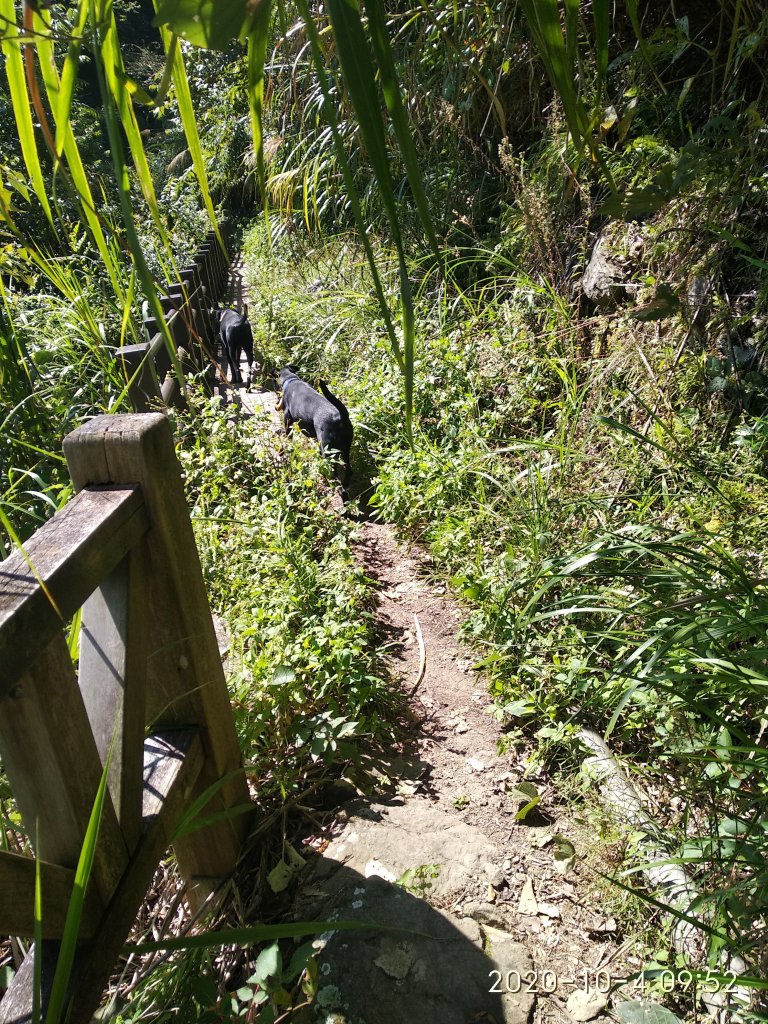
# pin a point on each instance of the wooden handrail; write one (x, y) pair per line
(146, 367)
(43, 585)
(123, 552)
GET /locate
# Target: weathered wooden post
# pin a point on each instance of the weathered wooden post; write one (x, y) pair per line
(185, 680)
(150, 694)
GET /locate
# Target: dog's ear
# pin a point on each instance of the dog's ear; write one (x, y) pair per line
(334, 400)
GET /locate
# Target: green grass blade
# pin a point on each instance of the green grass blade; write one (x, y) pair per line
(258, 39)
(61, 978)
(116, 79)
(354, 198)
(14, 69)
(65, 135)
(189, 123)
(635, 20)
(256, 933)
(37, 966)
(124, 191)
(601, 13)
(391, 88)
(543, 18)
(359, 74)
(69, 79)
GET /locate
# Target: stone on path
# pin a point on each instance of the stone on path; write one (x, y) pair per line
(432, 967)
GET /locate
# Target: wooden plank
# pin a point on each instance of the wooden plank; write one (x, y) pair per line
(138, 370)
(16, 1004)
(50, 757)
(17, 898)
(185, 684)
(113, 668)
(172, 760)
(70, 554)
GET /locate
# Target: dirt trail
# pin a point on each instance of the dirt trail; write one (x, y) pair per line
(572, 945)
(446, 830)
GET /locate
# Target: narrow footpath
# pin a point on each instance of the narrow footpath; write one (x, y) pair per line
(502, 921)
(493, 916)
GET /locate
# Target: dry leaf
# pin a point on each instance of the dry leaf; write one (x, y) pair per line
(528, 904)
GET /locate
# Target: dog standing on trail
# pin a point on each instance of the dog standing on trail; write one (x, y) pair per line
(236, 337)
(322, 416)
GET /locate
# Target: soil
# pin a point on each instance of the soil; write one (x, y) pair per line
(558, 917)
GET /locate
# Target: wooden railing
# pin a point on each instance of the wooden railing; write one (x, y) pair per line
(148, 368)
(149, 690)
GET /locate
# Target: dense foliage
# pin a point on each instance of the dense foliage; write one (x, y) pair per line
(590, 473)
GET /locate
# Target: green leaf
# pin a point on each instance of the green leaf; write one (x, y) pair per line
(69, 78)
(61, 978)
(359, 74)
(663, 304)
(17, 86)
(299, 962)
(349, 183)
(601, 13)
(189, 123)
(391, 89)
(116, 79)
(636, 1012)
(255, 933)
(211, 24)
(527, 796)
(269, 965)
(65, 139)
(258, 39)
(563, 854)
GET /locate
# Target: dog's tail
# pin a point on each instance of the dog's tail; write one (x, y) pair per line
(334, 400)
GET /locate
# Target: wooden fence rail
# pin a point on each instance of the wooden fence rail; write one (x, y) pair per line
(149, 689)
(148, 368)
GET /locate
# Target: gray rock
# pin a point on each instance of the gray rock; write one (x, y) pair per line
(420, 964)
(606, 277)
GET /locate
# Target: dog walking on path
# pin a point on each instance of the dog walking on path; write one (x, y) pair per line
(236, 337)
(322, 416)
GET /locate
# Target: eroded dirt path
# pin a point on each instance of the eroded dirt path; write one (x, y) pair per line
(517, 932)
(508, 879)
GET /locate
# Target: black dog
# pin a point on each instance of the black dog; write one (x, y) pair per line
(321, 416)
(236, 337)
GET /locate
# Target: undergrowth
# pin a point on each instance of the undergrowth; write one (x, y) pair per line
(304, 671)
(594, 489)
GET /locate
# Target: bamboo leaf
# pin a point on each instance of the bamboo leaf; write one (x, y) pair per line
(189, 123)
(55, 89)
(391, 89)
(14, 69)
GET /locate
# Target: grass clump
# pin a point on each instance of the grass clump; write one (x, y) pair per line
(277, 560)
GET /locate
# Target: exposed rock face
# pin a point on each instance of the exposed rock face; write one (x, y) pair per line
(606, 277)
(433, 967)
